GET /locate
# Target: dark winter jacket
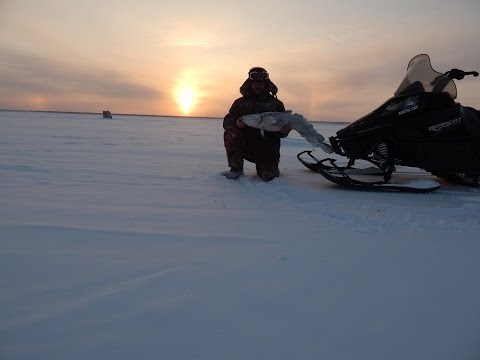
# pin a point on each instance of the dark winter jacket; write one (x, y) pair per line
(251, 104)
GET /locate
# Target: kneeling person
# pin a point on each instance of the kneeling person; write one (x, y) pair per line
(243, 142)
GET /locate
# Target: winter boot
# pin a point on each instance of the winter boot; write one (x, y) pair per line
(234, 173)
(267, 175)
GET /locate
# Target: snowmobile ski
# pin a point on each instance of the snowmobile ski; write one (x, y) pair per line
(338, 176)
(350, 170)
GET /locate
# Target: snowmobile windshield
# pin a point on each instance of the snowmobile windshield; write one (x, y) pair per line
(421, 74)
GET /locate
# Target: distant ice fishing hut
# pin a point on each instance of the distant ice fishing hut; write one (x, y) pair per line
(107, 114)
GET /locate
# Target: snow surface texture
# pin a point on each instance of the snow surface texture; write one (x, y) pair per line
(120, 239)
(274, 121)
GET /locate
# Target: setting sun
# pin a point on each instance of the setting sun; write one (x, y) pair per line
(186, 91)
(185, 97)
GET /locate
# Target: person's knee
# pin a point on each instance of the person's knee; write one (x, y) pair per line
(232, 138)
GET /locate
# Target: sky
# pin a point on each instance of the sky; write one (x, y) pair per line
(332, 60)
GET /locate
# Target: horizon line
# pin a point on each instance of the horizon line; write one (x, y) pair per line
(146, 115)
(100, 113)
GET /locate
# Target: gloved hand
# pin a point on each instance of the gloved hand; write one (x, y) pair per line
(240, 123)
(286, 129)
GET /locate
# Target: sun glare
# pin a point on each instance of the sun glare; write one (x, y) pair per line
(185, 97)
(186, 91)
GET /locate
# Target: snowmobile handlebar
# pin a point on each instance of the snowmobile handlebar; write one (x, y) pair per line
(459, 74)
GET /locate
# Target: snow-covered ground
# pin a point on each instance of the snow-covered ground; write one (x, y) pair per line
(120, 239)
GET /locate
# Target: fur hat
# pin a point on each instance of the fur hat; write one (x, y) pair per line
(269, 85)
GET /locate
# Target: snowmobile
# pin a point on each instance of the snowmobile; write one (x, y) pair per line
(421, 126)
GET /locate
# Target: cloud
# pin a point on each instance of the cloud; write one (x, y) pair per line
(201, 44)
(28, 74)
